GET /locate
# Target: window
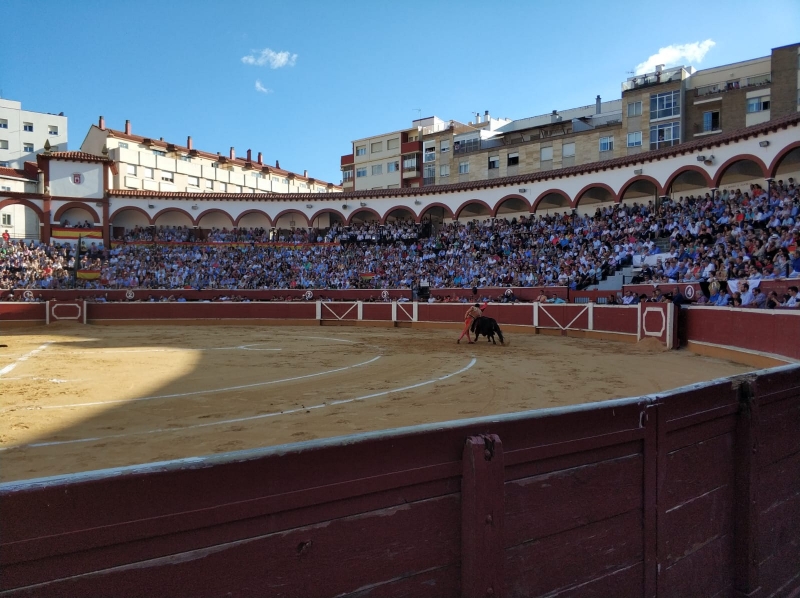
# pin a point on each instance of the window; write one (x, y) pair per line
(758, 104)
(392, 186)
(361, 150)
(5, 188)
(6, 217)
(392, 166)
(377, 169)
(376, 147)
(634, 109)
(148, 173)
(466, 145)
(27, 127)
(664, 105)
(606, 144)
(168, 177)
(665, 135)
(209, 185)
(159, 153)
(444, 146)
(132, 169)
(547, 154)
(635, 139)
(3, 144)
(513, 159)
(361, 172)
(393, 143)
(711, 121)
(429, 174)
(123, 145)
(256, 175)
(347, 175)
(223, 187)
(52, 130)
(185, 158)
(430, 154)
(463, 168)
(568, 150)
(4, 164)
(27, 147)
(494, 162)
(444, 170)
(194, 181)
(410, 163)
(3, 123)
(236, 189)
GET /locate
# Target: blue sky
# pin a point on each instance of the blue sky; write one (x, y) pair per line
(338, 71)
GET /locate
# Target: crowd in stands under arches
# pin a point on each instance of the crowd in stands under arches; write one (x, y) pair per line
(734, 236)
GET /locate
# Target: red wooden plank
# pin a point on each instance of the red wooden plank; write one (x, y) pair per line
(563, 561)
(327, 559)
(697, 469)
(746, 517)
(620, 583)
(552, 503)
(482, 517)
(691, 435)
(441, 582)
(705, 573)
(779, 430)
(651, 422)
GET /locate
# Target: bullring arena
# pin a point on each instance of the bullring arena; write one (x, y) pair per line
(289, 445)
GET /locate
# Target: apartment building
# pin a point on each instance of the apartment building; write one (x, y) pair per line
(150, 164)
(656, 110)
(24, 134)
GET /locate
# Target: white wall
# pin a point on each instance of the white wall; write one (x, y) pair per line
(24, 222)
(17, 137)
(62, 184)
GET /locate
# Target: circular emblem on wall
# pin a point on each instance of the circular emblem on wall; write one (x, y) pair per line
(77, 178)
(689, 291)
(385, 295)
(308, 295)
(28, 295)
(129, 295)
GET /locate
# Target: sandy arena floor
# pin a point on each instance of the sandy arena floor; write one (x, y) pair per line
(76, 398)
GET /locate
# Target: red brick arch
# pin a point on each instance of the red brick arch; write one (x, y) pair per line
(740, 158)
(167, 210)
(133, 209)
(212, 211)
(435, 205)
(393, 208)
(640, 177)
(687, 168)
(26, 203)
(579, 194)
(75, 205)
(326, 211)
(246, 212)
(776, 162)
(360, 209)
(289, 211)
(473, 201)
(544, 194)
(507, 197)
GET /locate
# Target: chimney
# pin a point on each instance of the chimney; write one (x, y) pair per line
(277, 164)
(189, 142)
(597, 103)
(260, 158)
(233, 154)
(102, 124)
(486, 116)
(249, 155)
(305, 173)
(127, 127)
(477, 117)
(659, 68)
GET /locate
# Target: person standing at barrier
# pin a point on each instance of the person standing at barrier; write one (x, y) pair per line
(473, 313)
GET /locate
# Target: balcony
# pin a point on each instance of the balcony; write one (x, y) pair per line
(348, 159)
(411, 147)
(706, 128)
(733, 85)
(649, 79)
(409, 173)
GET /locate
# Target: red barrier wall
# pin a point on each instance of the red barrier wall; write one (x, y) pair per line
(769, 331)
(690, 493)
(200, 311)
(23, 312)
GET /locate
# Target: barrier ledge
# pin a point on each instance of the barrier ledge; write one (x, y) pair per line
(202, 322)
(599, 335)
(749, 357)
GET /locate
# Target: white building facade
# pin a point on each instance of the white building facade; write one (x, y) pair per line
(23, 134)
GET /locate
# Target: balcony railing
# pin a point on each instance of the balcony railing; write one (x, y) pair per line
(732, 85)
(348, 159)
(652, 79)
(704, 127)
(411, 147)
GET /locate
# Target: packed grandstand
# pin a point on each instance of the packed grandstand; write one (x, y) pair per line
(736, 235)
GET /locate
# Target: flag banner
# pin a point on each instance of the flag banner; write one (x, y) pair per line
(75, 233)
(225, 244)
(89, 274)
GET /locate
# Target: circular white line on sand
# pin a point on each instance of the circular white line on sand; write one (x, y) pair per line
(204, 392)
(252, 417)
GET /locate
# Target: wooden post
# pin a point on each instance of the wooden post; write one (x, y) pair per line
(482, 512)
(650, 421)
(745, 538)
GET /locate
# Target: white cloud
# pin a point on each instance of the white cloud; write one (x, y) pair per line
(261, 88)
(275, 60)
(674, 54)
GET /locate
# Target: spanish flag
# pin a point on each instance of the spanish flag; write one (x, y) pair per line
(75, 233)
(88, 274)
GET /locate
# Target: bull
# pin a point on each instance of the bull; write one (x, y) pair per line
(487, 327)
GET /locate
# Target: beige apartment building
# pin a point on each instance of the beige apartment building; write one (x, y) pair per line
(150, 164)
(656, 110)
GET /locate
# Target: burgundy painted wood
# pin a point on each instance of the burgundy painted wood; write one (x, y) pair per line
(482, 517)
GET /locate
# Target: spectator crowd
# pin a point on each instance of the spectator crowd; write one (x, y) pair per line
(730, 242)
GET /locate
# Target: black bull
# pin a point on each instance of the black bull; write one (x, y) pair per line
(487, 327)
